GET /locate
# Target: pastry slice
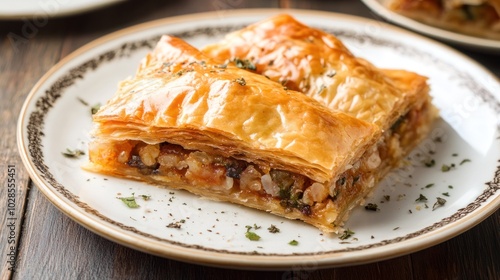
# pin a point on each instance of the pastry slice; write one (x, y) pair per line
(479, 18)
(187, 122)
(319, 65)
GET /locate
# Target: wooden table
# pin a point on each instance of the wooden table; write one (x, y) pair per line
(52, 246)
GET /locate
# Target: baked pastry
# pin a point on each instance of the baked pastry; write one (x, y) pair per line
(479, 18)
(185, 121)
(320, 65)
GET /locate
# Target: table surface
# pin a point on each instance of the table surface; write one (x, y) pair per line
(52, 246)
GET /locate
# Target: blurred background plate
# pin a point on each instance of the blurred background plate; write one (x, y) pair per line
(19, 9)
(471, 42)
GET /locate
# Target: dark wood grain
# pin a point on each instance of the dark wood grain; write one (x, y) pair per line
(22, 63)
(52, 246)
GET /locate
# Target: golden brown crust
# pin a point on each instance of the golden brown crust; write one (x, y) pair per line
(317, 64)
(476, 18)
(180, 96)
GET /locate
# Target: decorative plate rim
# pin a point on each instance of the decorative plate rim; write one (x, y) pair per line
(235, 260)
(429, 30)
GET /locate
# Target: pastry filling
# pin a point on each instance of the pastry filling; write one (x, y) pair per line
(227, 175)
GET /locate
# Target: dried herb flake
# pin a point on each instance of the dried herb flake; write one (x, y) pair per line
(421, 198)
(464, 161)
(129, 201)
(95, 108)
(251, 235)
(440, 202)
(240, 81)
(346, 234)
(273, 229)
(294, 242)
(73, 153)
(372, 207)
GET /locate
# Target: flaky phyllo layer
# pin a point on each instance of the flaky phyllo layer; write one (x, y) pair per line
(188, 121)
(320, 66)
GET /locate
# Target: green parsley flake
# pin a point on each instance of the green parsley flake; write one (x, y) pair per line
(429, 186)
(73, 153)
(346, 234)
(446, 168)
(294, 242)
(252, 236)
(145, 197)
(129, 201)
(95, 108)
(83, 101)
(421, 198)
(429, 163)
(464, 161)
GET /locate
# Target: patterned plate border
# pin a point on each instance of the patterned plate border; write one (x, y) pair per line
(44, 103)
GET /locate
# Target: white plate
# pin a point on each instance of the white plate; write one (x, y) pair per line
(471, 42)
(39, 10)
(213, 233)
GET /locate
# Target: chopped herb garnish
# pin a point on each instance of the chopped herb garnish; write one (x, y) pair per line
(438, 139)
(421, 198)
(244, 64)
(240, 81)
(440, 202)
(450, 187)
(372, 207)
(396, 228)
(251, 235)
(83, 101)
(410, 211)
(294, 242)
(446, 194)
(429, 163)
(129, 201)
(95, 108)
(255, 226)
(73, 153)
(174, 225)
(446, 168)
(429, 186)
(464, 161)
(346, 234)
(454, 155)
(273, 229)
(387, 197)
(146, 197)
